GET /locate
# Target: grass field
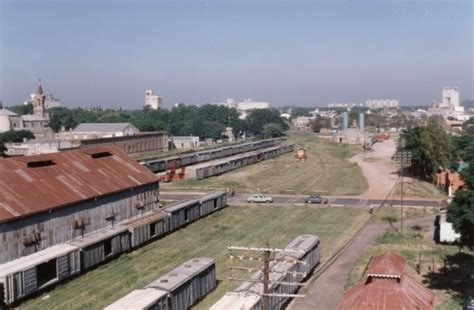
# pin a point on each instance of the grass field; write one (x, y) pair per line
(420, 189)
(451, 285)
(207, 237)
(325, 171)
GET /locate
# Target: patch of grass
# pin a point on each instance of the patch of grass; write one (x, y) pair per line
(451, 285)
(209, 237)
(326, 170)
(420, 189)
(392, 214)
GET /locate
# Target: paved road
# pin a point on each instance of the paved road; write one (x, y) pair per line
(300, 199)
(327, 290)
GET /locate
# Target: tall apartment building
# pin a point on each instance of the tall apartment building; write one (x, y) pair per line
(152, 100)
(381, 103)
(450, 97)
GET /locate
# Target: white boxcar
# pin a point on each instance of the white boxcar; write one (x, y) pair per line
(31, 273)
(142, 299)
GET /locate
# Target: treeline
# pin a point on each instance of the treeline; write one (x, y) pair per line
(433, 149)
(208, 121)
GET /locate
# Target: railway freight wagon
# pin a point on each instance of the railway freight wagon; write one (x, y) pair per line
(212, 202)
(183, 212)
(188, 283)
(179, 289)
(31, 273)
(161, 165)
(288, 267)
(213, 168)
(142, 299)
(148, 227)
(101, 245)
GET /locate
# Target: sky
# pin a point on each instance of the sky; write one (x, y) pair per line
(289, 53)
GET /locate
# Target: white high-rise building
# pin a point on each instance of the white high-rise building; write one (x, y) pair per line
(450, 98)
(153, 101)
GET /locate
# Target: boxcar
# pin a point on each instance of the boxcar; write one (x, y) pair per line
(156, 166)
(142, 299)
(188, 283)
(101, 245)
(212, 201)
(29, 274)
(147, 227)
(238, 301)
(184, 212)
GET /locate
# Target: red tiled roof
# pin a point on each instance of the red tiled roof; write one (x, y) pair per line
(33, 184)
(378, 291)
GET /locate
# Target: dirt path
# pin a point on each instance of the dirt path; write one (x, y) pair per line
(378, 169)
(327, 290)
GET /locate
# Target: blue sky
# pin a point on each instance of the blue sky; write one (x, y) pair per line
(304, 53)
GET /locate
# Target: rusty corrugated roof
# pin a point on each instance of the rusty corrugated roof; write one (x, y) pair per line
(381, 292)
(386, 265)
(33, 184)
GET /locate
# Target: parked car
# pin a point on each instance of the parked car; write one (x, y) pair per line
(317, 199)
(259, 198)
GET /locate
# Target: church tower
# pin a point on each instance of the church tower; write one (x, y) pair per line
(38, 102)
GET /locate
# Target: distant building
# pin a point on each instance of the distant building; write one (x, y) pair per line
(39, 146)
(302, 123)
(123, 135)
(371, 104)
(9, 120)
(86, 131)
(450, 98)
(185, 142)
(450, 108)
(387, 285)
(244, 107)
(343, 104)
(382, 103)
(153, 101)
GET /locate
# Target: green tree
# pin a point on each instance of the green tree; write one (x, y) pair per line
(430, 148)
(272, 130)
(258, 118)
(461, 211)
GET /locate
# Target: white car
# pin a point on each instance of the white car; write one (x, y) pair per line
(260, 198)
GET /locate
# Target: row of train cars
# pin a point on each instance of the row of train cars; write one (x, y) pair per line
(33, 273)
(176, 162)
(188, 283)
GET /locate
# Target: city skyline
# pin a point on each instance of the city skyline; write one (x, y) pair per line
(108, 53)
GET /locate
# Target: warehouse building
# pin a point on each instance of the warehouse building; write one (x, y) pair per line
(52, 198)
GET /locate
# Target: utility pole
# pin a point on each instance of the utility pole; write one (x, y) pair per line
(266, 278)
(266, 255)
(401, 187)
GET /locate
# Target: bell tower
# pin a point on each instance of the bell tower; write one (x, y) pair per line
(38, 102)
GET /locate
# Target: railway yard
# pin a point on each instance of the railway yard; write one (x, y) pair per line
(198, 223)
(207, 237)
